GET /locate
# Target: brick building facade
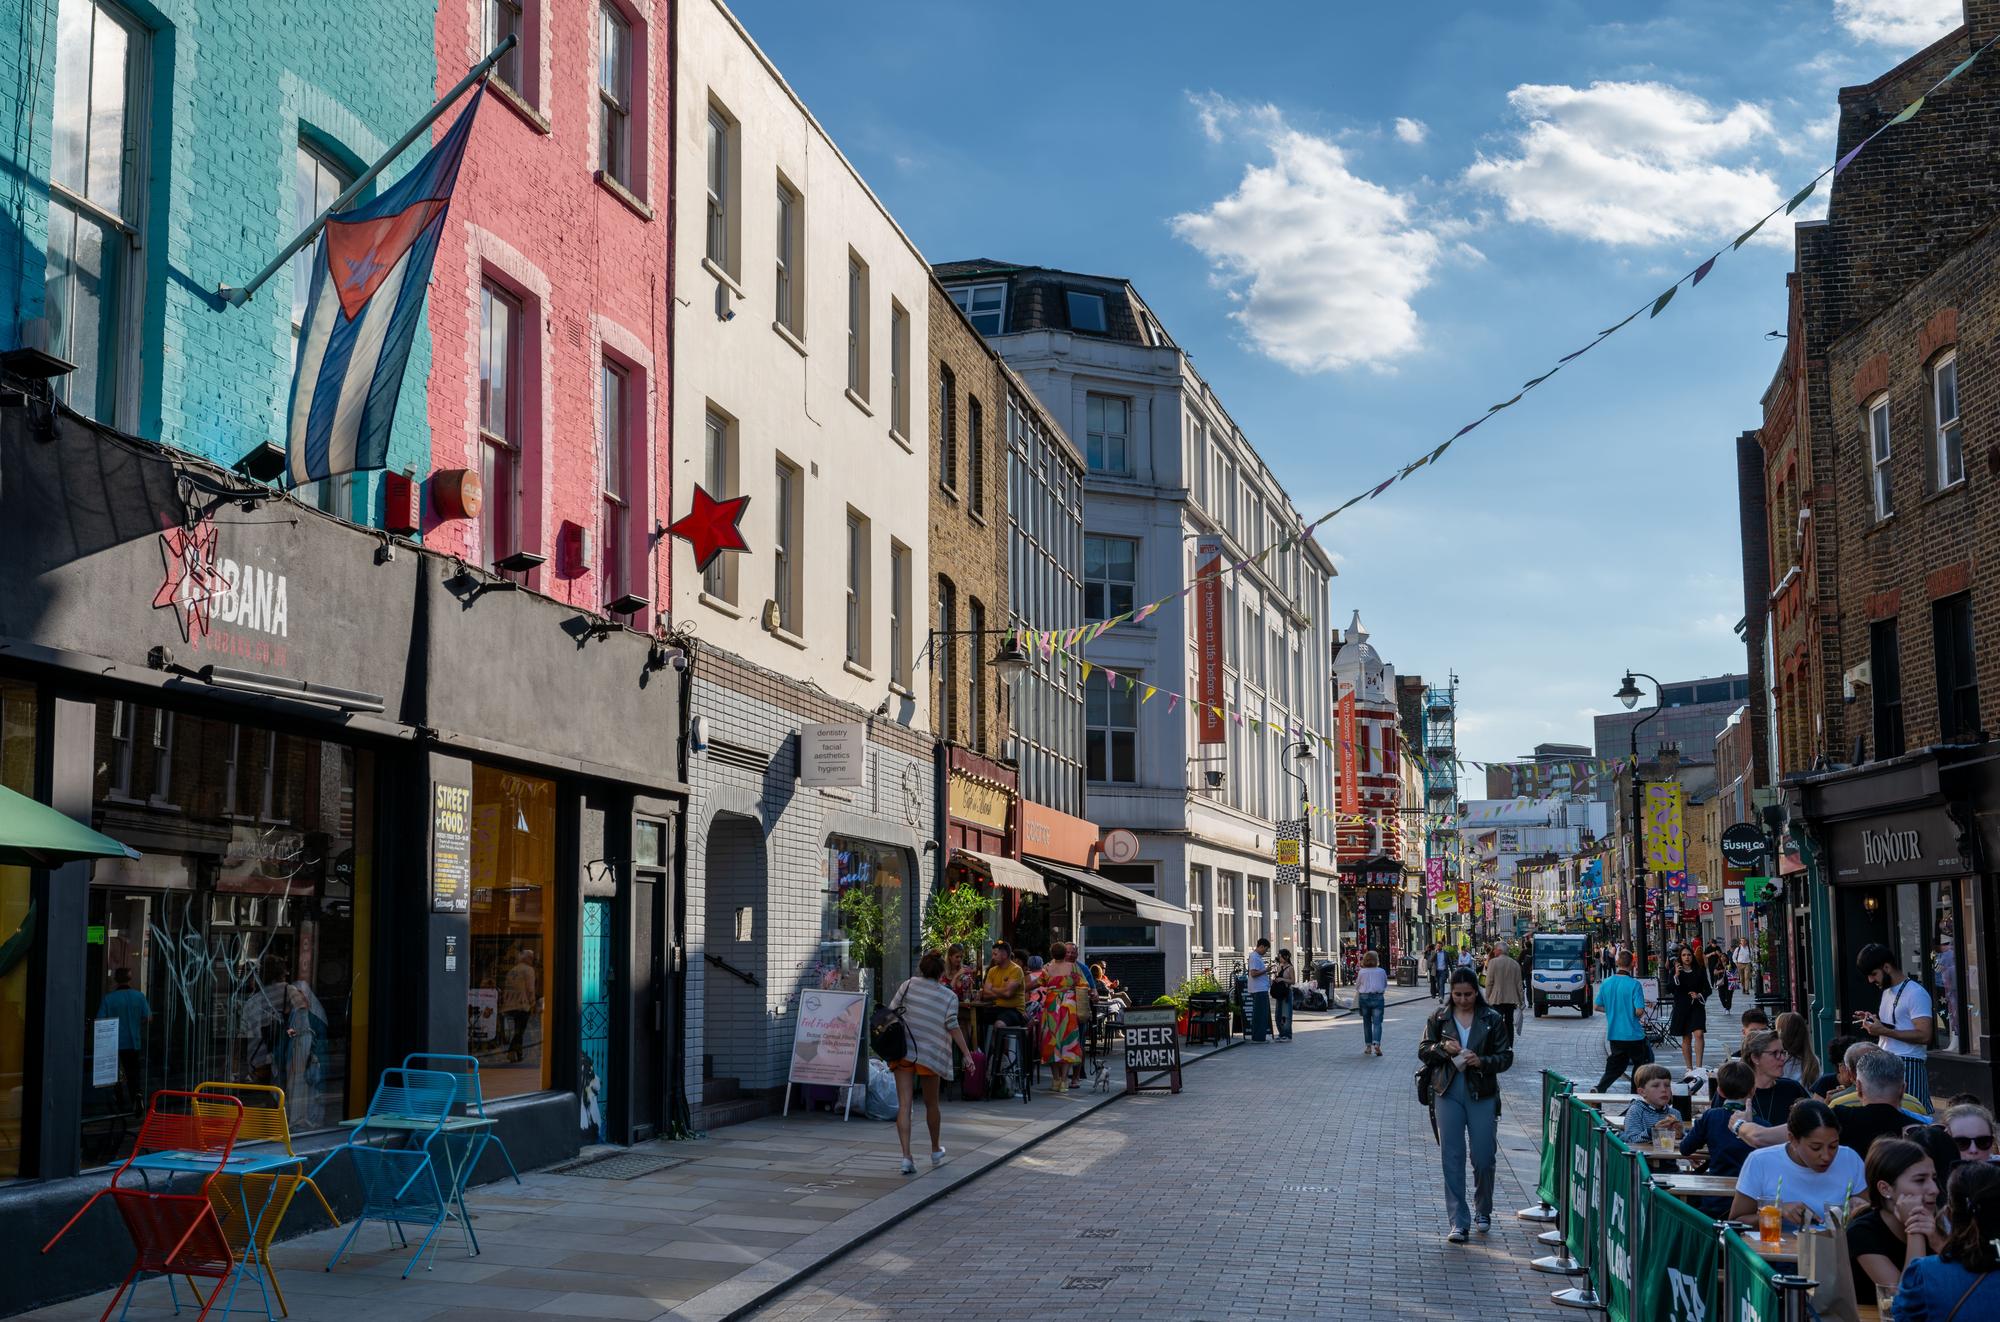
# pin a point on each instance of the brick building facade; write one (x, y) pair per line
(1881, 476)
(548, 307)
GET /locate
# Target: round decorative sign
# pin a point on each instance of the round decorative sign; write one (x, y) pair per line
(1120, 846)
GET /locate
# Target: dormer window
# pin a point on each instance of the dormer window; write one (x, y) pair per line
(1086, 311)
(984, 305)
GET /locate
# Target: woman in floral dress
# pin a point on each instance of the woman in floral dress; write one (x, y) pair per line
(1065, 999)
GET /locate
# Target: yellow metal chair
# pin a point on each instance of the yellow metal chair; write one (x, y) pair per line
(239, 1201)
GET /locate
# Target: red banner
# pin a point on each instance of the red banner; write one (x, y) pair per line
(1350, 775)
(1208, 640)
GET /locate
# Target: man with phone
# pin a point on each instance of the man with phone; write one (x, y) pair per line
(1902, 1024)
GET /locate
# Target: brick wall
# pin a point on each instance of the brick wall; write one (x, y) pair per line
(1936, 542)
(589, 263)
(968, 537)
(231, 91)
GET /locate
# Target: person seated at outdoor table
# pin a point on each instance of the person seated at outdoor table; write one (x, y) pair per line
(1840, 1076)
(960, 974)
(1734, 1082)
(1850, 1096)
(1762, 1123)
(1112, 990)
(1901, 1223)
(1653, 1106)
(1972, 1131)
(1962, 1280)
(1879, 1077)
(1809, 1173)
(1002, 996)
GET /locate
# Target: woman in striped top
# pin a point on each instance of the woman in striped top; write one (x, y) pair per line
(930, 1022)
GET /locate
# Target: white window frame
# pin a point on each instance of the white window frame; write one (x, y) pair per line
(1071, 297)
(947, 430)
(975, 453)
(969, 298)
(615, 423)
(502, 451)
(334, 495)
(617, 86)
(498, 18)
(1947, 429)
(125, 237)
(899, 614)
(857, 327)
(858, 589)
(1880, 448)
(787, 543)
(1110, 727)
(720, 446)
(721, 190)
(975, 628)
(1105, 585)
(789, 296)
(1099, 438)
(899, 370)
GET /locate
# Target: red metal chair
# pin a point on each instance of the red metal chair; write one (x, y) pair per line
(174, 1233)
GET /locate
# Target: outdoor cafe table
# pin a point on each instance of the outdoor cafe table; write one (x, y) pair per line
(241, 1163)
(1696, 1186)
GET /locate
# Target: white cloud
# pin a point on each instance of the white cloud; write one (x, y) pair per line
(1632, 163)
(1412, 131)
(1321, 262)
(1905, 23)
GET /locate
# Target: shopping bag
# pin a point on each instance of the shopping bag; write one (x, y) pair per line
(1823, 1260)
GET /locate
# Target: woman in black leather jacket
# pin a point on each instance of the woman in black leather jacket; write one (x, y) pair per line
(1467, 1046)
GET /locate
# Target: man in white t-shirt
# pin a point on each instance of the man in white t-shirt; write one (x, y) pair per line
(1259, 991)
(1902, 1024)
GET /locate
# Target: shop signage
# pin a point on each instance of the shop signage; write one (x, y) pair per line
(1288, 853)
(833, 755)
(1465, 897)
(1350, 776)
(1707, 906)
(1913, 846)
(1056, 836)
(978, 802)
(451, 848)
(1208, 640)
(826, 1042)
(204, 588)
(1743, 846)
(104, 1053)
(1152, 1047)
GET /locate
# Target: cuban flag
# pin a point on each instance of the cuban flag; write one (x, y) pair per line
(369, 274)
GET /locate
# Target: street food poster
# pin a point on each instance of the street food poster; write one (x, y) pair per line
(826, 1043)
(451, 848)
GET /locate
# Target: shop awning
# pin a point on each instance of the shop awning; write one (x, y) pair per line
(1005, 872)
(1112, 894)
(34, 835)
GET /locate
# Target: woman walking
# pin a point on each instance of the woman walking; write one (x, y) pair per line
(1467, 1046)
(1371, 995)
(1065, 995)
(1689, 985)
(930, 1021)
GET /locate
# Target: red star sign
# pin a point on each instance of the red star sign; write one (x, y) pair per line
(711, 526)
(192, 581)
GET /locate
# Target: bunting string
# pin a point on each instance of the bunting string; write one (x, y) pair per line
(1651, 308)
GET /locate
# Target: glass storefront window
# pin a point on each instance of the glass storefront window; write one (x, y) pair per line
(17, 929)
(865, 920)
(236, 948)
(1946, 989)
(513, 929)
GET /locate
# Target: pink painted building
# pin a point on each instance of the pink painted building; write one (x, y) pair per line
(549, 304)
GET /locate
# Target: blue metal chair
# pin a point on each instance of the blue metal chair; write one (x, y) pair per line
(402, 1183)
(466, 1068)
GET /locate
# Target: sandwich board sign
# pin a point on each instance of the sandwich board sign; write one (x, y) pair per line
(1152, 1047)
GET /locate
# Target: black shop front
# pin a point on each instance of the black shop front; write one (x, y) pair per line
(1906, 848)
(383, 803)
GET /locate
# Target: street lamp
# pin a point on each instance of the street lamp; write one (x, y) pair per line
(1303, 751)
(1628, 693)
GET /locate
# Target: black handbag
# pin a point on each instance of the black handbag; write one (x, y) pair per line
(888, 1035)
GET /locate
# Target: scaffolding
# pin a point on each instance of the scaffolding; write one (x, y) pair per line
(1440, 761)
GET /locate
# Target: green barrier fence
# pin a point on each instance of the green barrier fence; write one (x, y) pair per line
(1580, 1208)
(1680, 1261)
(1751, 1294)
(1620, 1185)
(1554, 1088)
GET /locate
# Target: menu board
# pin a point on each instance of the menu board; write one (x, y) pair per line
(451, 848)
(826, 1043)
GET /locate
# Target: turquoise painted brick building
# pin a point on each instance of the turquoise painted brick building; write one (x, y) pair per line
(158, 150)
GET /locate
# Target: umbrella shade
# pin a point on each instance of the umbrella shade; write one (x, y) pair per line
(34, 835)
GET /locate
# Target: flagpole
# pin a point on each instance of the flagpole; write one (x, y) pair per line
(236, 296)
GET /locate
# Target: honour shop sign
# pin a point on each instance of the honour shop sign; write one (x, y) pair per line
(1152, 1047)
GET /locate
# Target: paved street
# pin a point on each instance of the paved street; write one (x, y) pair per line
(1284, 1182)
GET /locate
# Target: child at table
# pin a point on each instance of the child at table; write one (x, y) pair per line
(1734, 1082)
(1653, 1110)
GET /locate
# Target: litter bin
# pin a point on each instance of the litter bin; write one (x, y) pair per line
(1406, 973)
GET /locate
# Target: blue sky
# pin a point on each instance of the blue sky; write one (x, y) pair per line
(1369, 222)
